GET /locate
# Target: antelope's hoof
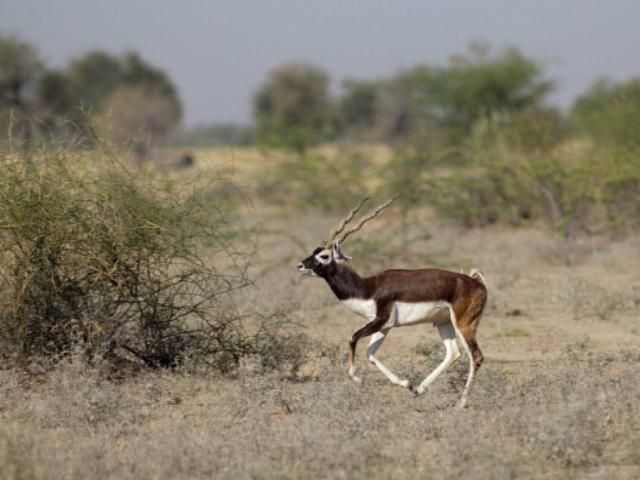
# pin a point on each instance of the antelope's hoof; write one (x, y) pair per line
(358, 380)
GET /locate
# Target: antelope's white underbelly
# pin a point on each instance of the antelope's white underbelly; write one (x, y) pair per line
(402, 313)
(405, 313)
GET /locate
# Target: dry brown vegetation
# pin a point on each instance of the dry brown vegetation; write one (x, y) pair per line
(556, 398)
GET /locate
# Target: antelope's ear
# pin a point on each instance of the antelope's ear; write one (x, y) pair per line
(338, 256)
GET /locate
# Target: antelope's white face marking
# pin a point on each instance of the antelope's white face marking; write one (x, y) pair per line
(316, 262)
(324, 257)
(321, 259)
(306, 271)
(364, 308)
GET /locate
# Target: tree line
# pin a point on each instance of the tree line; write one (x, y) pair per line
(133, 102)
(435, 107)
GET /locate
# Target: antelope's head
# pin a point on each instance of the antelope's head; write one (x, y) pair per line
(323, 260)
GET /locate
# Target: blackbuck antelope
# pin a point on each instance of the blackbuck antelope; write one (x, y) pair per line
(452, 301)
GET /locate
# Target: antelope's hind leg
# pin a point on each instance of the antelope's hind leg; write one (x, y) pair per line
(467, 350)
(452, 353)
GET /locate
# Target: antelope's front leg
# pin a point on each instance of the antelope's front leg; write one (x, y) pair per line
(368, 329)
(374, 345)
(352, 356)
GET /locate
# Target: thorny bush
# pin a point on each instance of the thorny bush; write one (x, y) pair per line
(103, 261)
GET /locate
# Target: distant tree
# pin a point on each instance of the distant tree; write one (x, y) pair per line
(138, 73)
(439, 105)
(92, 78)
(55, 94)
(292, 108)
(476, 85)
(98, 83)
(357, 107)
(20, 68)
(137, 118)
(403, 106)
(92, 84)
(610, 113)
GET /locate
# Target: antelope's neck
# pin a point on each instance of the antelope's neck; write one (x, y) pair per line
(346, 283)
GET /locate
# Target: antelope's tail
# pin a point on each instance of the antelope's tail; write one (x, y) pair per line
(477, 274)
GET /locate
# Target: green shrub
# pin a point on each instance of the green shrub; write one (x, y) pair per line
(480, 199)
(609, 113)
(534, 129)
(590, 191)
(292, 108)
(97, 259)
(481, 83)
(501, 191)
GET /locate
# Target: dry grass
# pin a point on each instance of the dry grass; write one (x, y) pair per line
(556, 398)
(562, 419)
(248, 165)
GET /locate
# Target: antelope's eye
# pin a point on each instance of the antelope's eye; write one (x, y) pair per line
(324, 256)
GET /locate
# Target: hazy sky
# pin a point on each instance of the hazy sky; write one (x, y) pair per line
(219, 52)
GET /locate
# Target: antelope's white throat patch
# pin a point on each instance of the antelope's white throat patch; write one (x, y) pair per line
(362, 307)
